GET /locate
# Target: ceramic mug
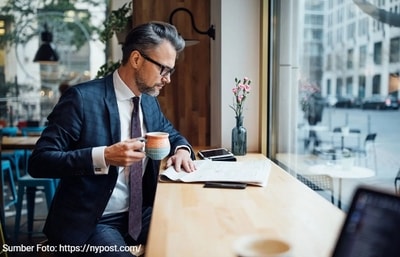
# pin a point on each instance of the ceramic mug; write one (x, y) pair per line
(157, 145)
(261, 246)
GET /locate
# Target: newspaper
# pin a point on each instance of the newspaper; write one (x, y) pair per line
(249, 172)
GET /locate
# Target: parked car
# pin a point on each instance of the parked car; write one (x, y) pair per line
(347, 101)
(379, 102)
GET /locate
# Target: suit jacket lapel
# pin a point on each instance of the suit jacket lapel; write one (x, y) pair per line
(147, 104)
(111, 107)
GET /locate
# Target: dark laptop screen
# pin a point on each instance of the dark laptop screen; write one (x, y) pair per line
(372, 226)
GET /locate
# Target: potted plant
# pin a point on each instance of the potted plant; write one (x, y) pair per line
(118, 22)
(107, 68)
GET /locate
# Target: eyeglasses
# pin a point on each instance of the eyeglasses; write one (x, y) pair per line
(164, 70)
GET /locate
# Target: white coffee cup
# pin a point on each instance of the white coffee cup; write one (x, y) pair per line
(261, 246)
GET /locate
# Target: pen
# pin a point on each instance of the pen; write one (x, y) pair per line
(225, 185)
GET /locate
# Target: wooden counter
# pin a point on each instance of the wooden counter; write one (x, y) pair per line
(19, 142)
(189, 220)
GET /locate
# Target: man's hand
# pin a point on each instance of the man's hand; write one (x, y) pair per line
(124, 153)
(181, 159)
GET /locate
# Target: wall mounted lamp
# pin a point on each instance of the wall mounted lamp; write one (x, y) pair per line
(45, 53)
(210, 32)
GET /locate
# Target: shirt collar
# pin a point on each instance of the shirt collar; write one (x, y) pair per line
(122, 91)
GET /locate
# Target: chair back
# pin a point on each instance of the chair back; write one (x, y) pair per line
(337, 130)
(370, 137)
(27, 131)
(10, 131)
(355, 131)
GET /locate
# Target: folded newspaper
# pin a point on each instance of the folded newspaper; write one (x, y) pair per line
(249, 172)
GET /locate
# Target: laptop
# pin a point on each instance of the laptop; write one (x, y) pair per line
(371, 227)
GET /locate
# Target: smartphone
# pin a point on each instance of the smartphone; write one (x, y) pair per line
(217, 153)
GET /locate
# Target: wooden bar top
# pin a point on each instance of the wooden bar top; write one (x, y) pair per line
(189, 220)
(19, 142)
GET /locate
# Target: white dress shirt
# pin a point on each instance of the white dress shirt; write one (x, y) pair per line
(119, 200)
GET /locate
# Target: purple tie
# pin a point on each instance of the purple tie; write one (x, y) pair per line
(135, 178)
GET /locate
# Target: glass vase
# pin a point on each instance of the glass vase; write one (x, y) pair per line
(239, 137)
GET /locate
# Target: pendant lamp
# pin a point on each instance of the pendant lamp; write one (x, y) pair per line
(45, 53)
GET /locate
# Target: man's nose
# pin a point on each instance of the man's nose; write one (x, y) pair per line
(166, 79)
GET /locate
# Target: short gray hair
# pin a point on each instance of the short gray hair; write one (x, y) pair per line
(150, 35)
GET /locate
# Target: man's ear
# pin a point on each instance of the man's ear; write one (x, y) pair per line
(135, 59)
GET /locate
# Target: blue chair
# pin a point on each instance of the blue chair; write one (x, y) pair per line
(29, 185)
(26, 131)
(14, 156)
(7, 170)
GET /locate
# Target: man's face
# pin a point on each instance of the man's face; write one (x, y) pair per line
(158, 64)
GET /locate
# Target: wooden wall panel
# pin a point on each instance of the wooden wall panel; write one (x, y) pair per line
(186, 100)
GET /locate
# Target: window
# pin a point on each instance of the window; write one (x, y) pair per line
(351, 30)
(339, 85)
(307, 101)
(350, 56)
(376, 84)
(378, 53)
(361, 86)
(394, 50)
(349, 86)
(363, 56)
(328, 87)
(2, 27)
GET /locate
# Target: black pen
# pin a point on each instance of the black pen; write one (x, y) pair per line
(231, 185)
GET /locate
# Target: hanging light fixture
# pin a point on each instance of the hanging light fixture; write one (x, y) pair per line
(189, 42)
(45, 53)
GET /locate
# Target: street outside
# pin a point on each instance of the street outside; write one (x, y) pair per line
(386, 123)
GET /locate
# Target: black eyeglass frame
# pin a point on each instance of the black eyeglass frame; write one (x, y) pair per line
(164, 70)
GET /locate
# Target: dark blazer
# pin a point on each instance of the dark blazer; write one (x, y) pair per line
(85, 117)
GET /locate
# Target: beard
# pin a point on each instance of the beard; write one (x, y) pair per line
(144, 88)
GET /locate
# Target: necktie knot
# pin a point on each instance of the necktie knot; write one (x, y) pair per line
(135, 101)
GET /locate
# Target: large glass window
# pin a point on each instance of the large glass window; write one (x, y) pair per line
(29, 88)
(340, 118)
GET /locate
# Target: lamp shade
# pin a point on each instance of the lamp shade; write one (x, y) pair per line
(45, 53)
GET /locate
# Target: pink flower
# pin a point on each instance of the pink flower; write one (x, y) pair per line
(240, 92)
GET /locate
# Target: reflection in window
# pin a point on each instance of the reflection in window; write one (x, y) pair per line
(376, 84)
(351, 30)
(361, 86)
(378, 53)
(350, 56)
(363, 55)
(394, 50)
(349, 86)
(360, 57)
(339, 85)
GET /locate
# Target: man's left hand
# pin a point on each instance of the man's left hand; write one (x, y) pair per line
(181, 159)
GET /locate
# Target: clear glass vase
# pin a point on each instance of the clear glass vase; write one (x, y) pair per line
(239, 137)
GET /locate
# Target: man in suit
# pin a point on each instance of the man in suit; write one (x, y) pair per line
(87, 145)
